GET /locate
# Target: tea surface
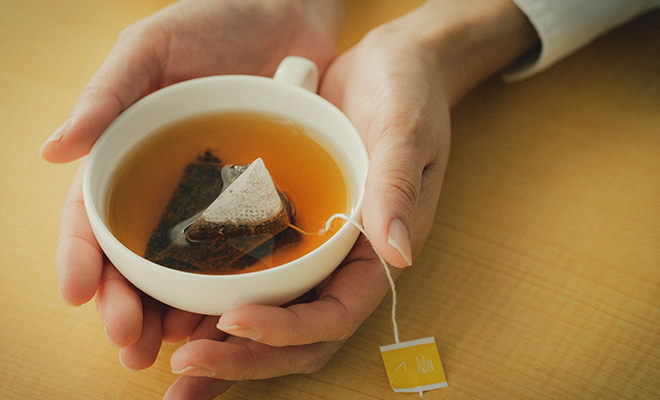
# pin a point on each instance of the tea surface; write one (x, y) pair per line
(299, 166)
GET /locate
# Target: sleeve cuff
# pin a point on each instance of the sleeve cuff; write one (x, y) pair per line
(564, 26)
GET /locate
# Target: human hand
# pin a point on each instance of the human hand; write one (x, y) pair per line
(397, 86)
(190, 39)
(391, 88)
(263, 341)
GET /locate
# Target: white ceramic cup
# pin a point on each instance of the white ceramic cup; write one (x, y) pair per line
(290, 94)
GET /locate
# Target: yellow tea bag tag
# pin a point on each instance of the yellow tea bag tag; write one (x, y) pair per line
(414, 366)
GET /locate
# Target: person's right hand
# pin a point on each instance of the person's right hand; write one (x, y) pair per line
(397, 86)
(190, 39)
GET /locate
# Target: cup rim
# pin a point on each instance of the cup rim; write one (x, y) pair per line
(99, 223)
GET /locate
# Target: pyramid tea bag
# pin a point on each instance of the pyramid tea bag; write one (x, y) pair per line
(247, 220)
(200, 183)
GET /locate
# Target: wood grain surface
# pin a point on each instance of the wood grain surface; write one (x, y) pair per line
(540, 279)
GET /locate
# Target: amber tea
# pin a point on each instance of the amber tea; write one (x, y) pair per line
(306, 175)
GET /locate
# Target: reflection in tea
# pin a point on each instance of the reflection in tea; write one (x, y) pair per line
(176, 174)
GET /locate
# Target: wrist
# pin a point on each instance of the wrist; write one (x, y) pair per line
(468, 40)
(306, 28)
(327, 14)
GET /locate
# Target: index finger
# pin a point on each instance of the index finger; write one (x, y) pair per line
(79, 258)
(347, 300)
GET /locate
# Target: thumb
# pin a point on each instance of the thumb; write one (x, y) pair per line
(92, 113)
(127, 74)
(407, 162)
(391, 198)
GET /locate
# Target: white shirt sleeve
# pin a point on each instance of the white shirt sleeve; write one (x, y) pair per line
(563, 26)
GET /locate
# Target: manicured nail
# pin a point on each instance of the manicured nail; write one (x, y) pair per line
(121, 361)
(105, 329)
(240, 331)
(397, 237)
(192, 370)
(57, 135)
(67, 302)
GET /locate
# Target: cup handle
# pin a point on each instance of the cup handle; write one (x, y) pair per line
(298, 71)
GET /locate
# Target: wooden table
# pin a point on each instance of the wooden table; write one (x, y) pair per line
(540, 279)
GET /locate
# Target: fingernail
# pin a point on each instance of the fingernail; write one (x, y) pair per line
(105, 330)
(121, 361)
(192, 370)
(57, 135)
(67, 302)
(241, 331)
(170, 342)
(397, 237)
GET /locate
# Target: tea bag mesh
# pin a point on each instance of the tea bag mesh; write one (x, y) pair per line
(246, 222)
(199, 185)
(251, 198)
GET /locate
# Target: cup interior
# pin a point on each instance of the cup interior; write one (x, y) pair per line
(330, 128)
(234, 93)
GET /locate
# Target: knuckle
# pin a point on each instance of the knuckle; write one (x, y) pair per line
(316, 362)
(342, 324)
(345, 332)
(313, 365)
(404, 185)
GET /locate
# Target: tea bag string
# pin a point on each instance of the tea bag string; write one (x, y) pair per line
(382, 260)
